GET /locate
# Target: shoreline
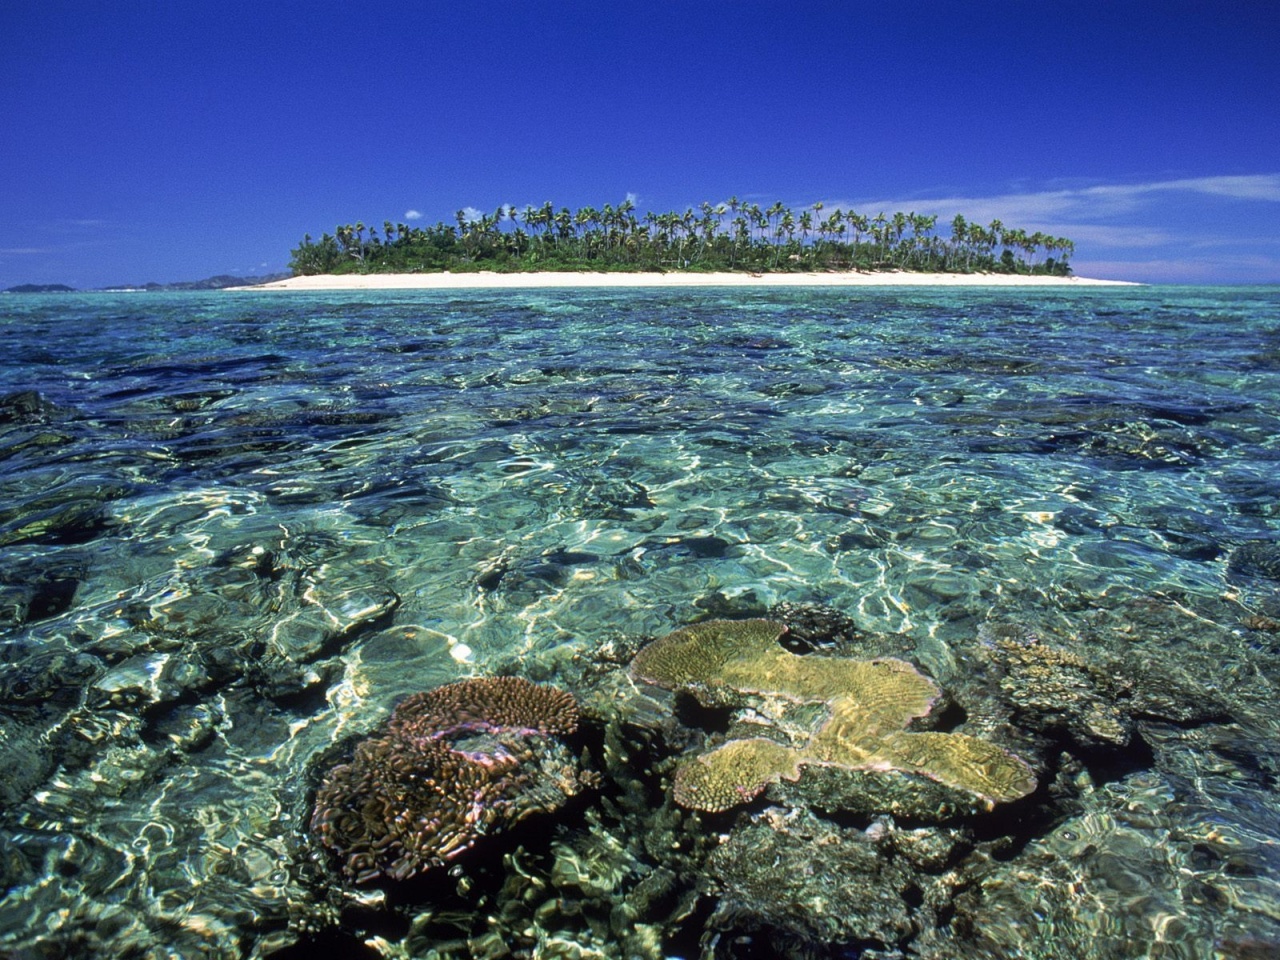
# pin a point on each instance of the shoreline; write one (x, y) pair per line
(551, 279)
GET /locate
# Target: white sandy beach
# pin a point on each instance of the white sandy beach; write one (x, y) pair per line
(489, 280)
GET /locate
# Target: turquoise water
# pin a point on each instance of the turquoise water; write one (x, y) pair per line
(235, 528)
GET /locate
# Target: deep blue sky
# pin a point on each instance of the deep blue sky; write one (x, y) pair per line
(173, 140)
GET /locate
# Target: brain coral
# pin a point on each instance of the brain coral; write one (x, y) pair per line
(868, 705)
(490, 703)
(453, 764)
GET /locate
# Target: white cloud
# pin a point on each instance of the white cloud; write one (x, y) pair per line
(413, 214)
(1264, 186)
(472, 214)
(1090, 202)
(632, 198)
(1087, 214)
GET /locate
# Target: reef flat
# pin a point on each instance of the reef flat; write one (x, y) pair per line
(716, 623)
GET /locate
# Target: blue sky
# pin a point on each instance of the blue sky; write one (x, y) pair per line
(173, 140)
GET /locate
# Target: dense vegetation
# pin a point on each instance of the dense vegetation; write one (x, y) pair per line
(732, 236)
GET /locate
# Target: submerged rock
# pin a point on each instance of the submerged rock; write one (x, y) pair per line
(1256, 559)
(805, 886)
(1058, 687)
(25, 406)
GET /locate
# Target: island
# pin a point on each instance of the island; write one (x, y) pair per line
(40, 288)
(731, 237)
(220, 282)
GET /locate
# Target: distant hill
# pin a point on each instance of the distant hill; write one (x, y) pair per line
(40, 288)
(220, 282)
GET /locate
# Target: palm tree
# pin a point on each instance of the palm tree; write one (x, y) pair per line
(834, 227)
(752, 239)
(959, 237)
(787, 229)
(775, 213)
(922, 229)
(899, 226)
(878, 224)
(858, 225)
(546, 217)
(995, 231)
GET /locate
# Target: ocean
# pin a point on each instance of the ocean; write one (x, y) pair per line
(237, 528)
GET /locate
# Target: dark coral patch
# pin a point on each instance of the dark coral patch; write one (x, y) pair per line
(454, 764)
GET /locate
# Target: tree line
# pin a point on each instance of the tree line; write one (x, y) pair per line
(731, 236)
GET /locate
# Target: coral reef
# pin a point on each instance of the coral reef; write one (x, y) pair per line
(490, 704)
(1091, 686)
(1060, 688)
(619, 876)
(454, 764)
(801, 885)
(863, 727)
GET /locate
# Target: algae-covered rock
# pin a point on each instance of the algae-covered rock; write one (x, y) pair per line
(862, 728)
(801, 886)
(1060, 688)
(1256, 559)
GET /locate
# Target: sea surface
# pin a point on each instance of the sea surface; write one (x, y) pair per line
(237, 528)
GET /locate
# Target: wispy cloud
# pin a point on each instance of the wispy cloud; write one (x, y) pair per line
(1265, 186)
(1190, 229)
(1078, 205)
(23, 251)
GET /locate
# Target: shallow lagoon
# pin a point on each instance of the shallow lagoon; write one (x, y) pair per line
(237, 528)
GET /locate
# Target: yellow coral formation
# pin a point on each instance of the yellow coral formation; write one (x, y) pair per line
(956, 760)
(718, 659)
(694, 658)
(734, 773)
(869, 704)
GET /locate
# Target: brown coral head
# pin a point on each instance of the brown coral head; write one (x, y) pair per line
(400, 807)
(453, 764)
(487, 704)
(733, 774)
